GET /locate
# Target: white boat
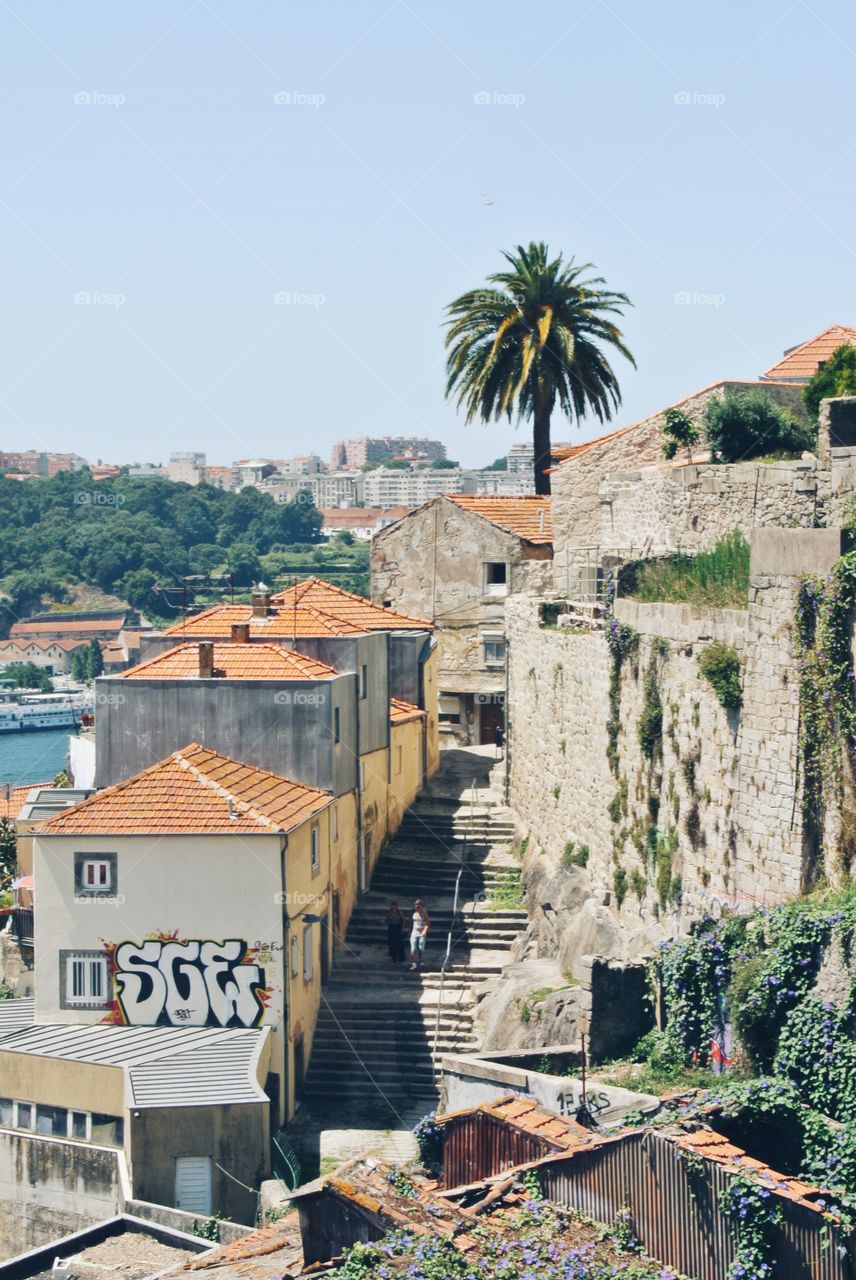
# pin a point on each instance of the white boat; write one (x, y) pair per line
(39, 711)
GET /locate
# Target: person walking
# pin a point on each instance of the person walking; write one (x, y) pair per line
(395, 933)
(419, 927)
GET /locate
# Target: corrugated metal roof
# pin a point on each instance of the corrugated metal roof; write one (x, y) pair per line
(15, 1014)
(166, 1066)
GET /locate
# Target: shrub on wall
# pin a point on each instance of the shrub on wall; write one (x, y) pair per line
(837, 377)
(749, 424)
(719, 663)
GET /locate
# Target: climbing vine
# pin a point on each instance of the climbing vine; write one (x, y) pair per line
(694, 973)
(827, 690)
(622, 641)
(755, 1213)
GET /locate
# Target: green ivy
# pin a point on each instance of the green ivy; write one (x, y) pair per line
(651, 719)
(755, 1215)
(827, 691)
(719, 663)
(622, 641)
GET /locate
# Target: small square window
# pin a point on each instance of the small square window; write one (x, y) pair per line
(84, 979)
(494, 650)
(495, 578)
(94, 874)
(7, 1112)
(52, 1121)
(78, 1125)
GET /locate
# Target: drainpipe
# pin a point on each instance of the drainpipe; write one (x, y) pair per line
(358, 790)
(286, 985)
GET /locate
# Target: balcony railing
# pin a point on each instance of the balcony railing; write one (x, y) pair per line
(22, 925)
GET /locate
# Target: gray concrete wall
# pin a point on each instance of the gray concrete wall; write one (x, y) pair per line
(372, 652)
(286, 727)
(406, 651)
(49, 1188)
(235, 1137)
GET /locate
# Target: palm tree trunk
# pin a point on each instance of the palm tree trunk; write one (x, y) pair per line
(541, 441)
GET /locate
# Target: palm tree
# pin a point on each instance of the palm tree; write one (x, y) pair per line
(531, 341)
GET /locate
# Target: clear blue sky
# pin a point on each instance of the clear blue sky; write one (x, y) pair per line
(185, 190)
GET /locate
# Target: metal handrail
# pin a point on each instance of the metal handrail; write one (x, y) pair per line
(288, 1162)
(467, 840)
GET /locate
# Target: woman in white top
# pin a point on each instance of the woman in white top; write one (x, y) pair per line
(418, 934)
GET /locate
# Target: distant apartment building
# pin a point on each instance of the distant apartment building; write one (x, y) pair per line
(410, 487)
(221, 478)
(33, 462)
(251, 471)
(338, 489)
(147, 471)
(499, 483)
(285, 488)
(186, 468)
(308, 464)
(356, 453)
(53, 656)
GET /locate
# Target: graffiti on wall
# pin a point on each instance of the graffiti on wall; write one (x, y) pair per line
(167, 981)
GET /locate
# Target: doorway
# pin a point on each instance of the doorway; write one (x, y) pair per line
(193, 1184)
(491, 717)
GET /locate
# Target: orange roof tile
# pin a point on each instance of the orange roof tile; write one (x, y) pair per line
(10, 807)
(801, 362)
(193, 791)
(525, 1114)
(64, 623)
(400, 712)
(341, 605)
(232, 662)
(713, 1146)
(530, 518)
(311, 608)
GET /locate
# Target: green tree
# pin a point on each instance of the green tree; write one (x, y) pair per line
(533, 341)
(27, 675)
(96, 660)
(8, 853)
(836, 377)
(80, 665)
(681, 432)
(749, 424)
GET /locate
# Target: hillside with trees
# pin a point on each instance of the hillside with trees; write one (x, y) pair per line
(155, 544)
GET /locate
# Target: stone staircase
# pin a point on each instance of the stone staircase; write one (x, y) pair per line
(377, 1023)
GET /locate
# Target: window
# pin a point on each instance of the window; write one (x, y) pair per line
(315, 843)
(85, 979)
(107, 1131)
(6, 1112)
(78, 1125)
(334, 823)
(307, 953)
(450, 709)
(337, 735)
(52, 1121)
(398, 759)
(364, 681)
(494, 649)
(495, 578)
(25, 1115)
(94, 874)
(295, 957)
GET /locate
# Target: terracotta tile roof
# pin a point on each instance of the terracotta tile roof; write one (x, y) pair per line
(530, 518)
(44, 627)
(338, 604)
(801, 362)
(22, 642)
(271, 1251)
(11, 807)
(400, 712)
(193, 791)
(280, 624)
(232, 662)
(311, 608)
(525, 1115)
(713, 1146)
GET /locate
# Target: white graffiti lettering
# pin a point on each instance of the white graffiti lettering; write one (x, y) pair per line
(191, 984)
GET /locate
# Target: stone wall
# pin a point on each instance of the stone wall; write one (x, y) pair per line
(578, 515)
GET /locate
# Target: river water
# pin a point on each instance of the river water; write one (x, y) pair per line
(35, 756)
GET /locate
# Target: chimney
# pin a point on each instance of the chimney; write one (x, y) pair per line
(206, 660)
(261, 600)
(240, 633)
